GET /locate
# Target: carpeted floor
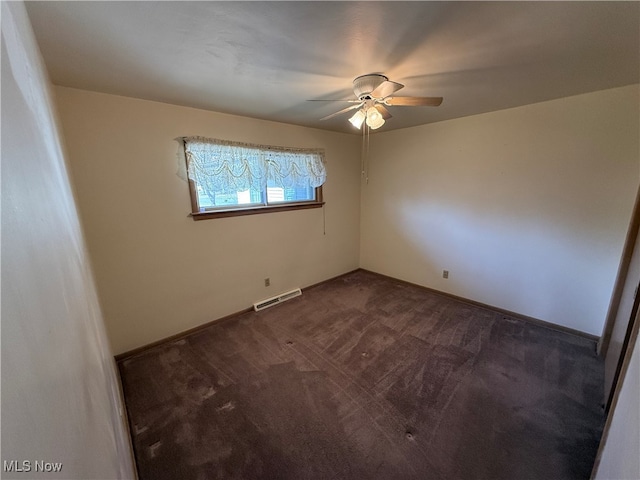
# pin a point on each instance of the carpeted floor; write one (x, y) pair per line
(364, 377)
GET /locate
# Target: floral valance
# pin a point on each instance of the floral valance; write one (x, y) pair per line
(225, 166)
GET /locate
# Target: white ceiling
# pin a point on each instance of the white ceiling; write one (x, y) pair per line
(266, 59)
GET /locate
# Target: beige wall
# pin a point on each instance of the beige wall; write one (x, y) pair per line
(527, 208)
(158, 271)
(60, 400)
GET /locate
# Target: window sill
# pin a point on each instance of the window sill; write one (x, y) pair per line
(237, 212)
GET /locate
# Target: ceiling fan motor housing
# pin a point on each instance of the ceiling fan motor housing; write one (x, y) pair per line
(365, 84)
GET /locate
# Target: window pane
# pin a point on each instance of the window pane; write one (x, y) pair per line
(228, 199)
(290, 194)
(203, 199)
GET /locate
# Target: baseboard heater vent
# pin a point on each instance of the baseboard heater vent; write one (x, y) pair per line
(270, 302)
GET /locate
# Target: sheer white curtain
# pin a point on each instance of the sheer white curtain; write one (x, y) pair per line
(227, 167)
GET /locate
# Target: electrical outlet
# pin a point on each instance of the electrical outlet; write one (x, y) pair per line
(267, 282)
(445, 273)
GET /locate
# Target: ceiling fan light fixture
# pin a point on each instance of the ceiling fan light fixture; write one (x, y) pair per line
(358, 118)
(375, 92)
(374, 118)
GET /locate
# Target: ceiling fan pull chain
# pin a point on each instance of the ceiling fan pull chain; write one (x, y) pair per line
(362, 151)
(366, 169)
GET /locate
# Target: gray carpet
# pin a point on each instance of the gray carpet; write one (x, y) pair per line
(364, 377)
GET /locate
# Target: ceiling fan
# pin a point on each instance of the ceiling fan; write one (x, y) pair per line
(375, 92)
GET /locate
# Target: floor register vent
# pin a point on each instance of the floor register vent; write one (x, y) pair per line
(270, 302)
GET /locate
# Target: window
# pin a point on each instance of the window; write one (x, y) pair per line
(230, 178)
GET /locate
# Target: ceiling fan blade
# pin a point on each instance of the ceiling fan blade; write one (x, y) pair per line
(352, 107)
(332, 100)
(413, 101)
(383, 111)
(385, 89)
